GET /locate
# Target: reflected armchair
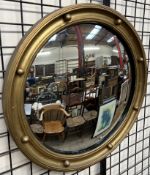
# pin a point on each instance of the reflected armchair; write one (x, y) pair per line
(54, 119)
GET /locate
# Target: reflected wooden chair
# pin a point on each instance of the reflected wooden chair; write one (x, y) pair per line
(91, 89)
(75, 125)
(91, 119)
(90, 95)
(53, 119)
(61, 87)
(73, 101)
(90, 81)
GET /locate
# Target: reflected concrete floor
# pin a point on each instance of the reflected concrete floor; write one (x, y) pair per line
(73, 142)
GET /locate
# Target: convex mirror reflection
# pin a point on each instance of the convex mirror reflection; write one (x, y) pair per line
(77, 88)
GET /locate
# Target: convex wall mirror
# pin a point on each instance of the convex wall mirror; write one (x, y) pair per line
(74, 86)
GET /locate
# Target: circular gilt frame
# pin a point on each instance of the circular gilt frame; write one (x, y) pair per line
(18, 68)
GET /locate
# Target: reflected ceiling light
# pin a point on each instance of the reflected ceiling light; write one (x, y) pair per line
(53, 38)
(44, 53)
(91, 48)
(94, 32)
(116, 51)
(110, 39)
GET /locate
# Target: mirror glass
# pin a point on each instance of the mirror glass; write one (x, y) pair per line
(78, 88)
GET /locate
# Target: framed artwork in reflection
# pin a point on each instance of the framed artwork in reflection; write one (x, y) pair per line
(105, 116)
(124, 91)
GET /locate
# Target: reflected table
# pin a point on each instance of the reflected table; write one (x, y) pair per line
(78, 79)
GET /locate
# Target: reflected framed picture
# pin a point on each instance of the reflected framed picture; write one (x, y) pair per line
(124, 91)
(106, 114)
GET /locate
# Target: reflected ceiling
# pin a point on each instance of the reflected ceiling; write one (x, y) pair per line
(69, 36)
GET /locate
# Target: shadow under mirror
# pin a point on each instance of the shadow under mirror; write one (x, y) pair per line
(77, 88)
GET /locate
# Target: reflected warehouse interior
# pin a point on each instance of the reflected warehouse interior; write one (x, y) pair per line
(77, 88)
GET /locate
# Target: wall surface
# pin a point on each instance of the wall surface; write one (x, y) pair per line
(70, 52)
(132, 156)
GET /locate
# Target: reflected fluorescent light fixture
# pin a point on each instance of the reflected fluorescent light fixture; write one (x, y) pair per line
(91, 48)
(43, 53)
(53, 38)
(110, 39)
(93, 32)
(116, 51)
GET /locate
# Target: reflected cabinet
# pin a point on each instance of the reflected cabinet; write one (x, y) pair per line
(74, 86)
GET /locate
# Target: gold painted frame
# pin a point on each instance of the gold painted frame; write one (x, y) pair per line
(19, 66)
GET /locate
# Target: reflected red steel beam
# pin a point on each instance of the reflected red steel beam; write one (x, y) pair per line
(119, 52)
(80, 44)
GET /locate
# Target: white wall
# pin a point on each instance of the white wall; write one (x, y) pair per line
(52, 55)
(69, 52)
(56, 54)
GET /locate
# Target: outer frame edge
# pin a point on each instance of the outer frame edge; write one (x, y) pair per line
(86, 159)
